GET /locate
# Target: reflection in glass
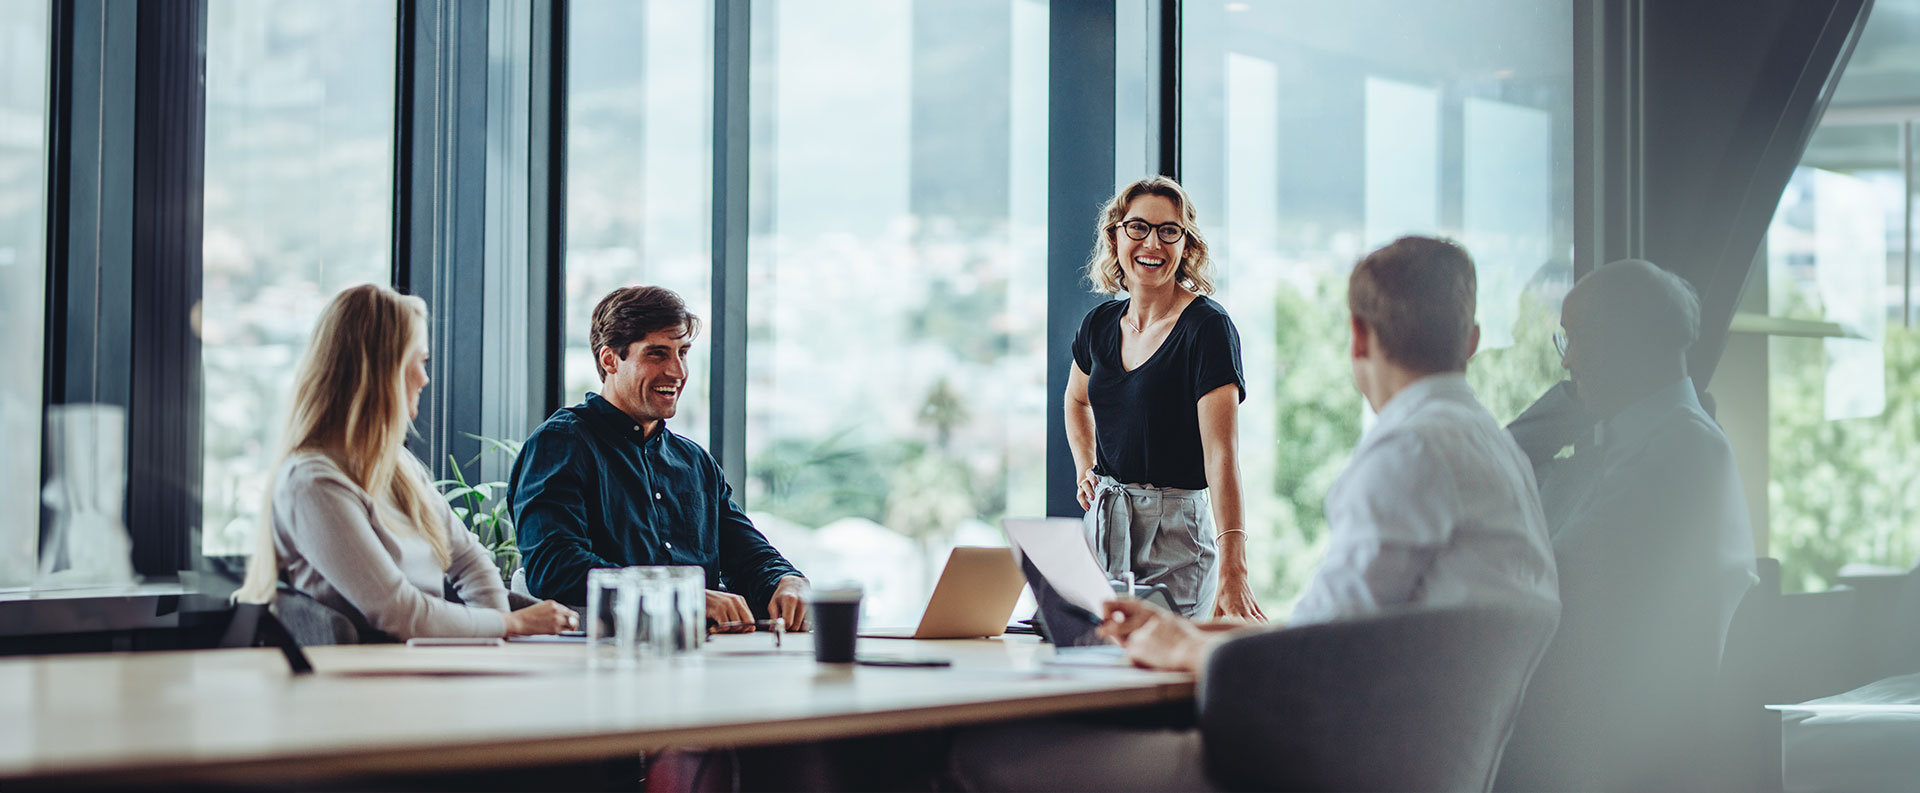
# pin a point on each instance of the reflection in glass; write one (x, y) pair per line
(299, 194)
(1314, 132)
(1840, 408)
(25, 31)
(86, 539)
(897, 265)
(639, 121)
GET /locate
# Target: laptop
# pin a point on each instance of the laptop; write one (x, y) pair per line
(974, 598)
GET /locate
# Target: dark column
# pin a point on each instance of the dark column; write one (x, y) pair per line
(1079, 180)
(164, 414)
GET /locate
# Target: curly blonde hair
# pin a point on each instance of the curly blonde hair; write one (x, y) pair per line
(1195, 270)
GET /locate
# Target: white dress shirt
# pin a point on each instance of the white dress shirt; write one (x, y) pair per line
(1437, 508)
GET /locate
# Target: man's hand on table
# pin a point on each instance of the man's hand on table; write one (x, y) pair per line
(1156, 638)
(729, 612)
(789, 602)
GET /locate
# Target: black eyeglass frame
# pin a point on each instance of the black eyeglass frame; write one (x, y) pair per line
(1156, 229)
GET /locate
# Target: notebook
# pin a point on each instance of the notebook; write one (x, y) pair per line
(974, 597)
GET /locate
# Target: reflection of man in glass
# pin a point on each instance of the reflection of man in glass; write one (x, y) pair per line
(1649, 527)
(605, 484)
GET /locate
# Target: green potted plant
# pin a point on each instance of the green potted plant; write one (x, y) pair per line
(482, 506)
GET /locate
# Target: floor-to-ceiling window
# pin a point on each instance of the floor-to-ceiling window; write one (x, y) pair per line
(1313, 132)
(299, 197)
(896, 315)
(1844, 356)
(25, 32)
(639, 194)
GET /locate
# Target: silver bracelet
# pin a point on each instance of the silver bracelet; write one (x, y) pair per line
(1216, 537)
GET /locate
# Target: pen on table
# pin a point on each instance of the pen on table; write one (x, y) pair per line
(778, 625)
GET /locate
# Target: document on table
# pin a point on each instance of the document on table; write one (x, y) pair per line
(1059, 550)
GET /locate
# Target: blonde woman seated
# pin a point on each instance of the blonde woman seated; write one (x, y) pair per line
(352, 519)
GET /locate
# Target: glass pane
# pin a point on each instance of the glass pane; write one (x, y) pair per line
(299, 204)
(1884, 68)
(24, 35)
(639, 131)
(1313, 132)
(897, 299)
(1839, 432)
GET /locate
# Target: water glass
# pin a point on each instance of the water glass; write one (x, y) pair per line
(603, 595)
(648, 611)
(689, 583)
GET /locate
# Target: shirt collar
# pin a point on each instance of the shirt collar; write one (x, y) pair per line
(1633, 424)
(1447, 386)
(617, 423)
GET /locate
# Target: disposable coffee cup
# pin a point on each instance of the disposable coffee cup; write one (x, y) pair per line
(836, 621)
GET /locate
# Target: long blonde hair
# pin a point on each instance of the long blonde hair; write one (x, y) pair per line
(1195, 270)
(350, 404)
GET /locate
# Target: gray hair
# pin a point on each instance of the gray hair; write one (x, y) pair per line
(1641, 304)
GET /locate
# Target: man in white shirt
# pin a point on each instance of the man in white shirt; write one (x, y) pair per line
(1437, 508)
(1438, 505)
(1650, 533)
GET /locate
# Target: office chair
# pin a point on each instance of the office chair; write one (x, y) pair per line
(1407, 700)
(253, 625)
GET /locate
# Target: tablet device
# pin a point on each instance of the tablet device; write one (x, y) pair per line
(1059, 621)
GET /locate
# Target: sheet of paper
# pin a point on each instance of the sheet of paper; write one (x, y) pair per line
(1059, 549)
(1861, 707)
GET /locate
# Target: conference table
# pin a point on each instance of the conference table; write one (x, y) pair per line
(239, 716)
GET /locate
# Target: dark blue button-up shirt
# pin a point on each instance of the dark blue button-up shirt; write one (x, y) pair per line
(590, 489)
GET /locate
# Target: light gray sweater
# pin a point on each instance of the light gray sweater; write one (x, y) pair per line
(337, 544)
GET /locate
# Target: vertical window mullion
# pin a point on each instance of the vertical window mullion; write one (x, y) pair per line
(732, 55)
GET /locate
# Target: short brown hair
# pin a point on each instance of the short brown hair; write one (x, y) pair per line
(1195, 270)
(1418, 295)
(628, 314)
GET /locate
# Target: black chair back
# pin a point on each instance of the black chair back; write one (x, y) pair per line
(253, 625)
(1407, 700)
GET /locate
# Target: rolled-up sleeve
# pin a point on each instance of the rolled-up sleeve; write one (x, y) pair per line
(751, 567)
(549, 496)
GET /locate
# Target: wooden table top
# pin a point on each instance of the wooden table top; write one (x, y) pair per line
(239, 716)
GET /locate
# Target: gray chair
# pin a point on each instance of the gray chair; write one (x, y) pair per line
(312, 623)
(1407, 700)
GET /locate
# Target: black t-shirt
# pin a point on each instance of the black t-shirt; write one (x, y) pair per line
(1147, 421)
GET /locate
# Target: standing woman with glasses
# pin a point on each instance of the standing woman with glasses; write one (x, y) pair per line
(1152, 408)
(352, 519)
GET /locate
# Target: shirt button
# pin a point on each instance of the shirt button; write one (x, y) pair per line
(656, 496)
(669, 545)
(636, 428)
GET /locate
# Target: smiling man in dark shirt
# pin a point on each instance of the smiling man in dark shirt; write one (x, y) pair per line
(605, 484)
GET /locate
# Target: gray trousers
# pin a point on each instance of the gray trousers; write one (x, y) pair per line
(1164, 535)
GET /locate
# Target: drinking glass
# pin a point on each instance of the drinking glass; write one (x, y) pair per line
(603, 595)
(689, 584)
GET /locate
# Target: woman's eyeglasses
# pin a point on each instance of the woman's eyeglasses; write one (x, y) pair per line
(1169, 233)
